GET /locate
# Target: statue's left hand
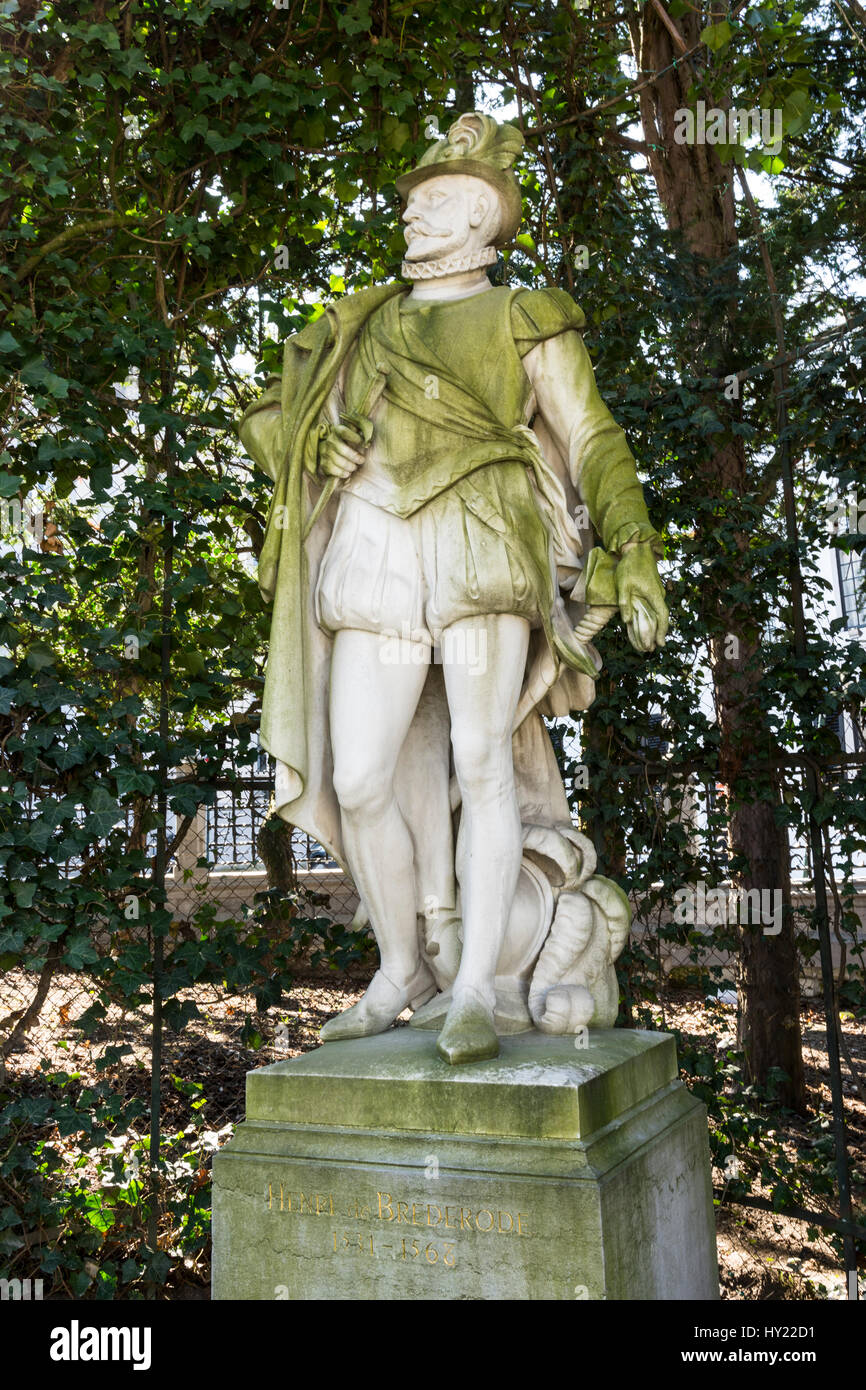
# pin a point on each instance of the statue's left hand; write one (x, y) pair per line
(341, 451)
(641, 597)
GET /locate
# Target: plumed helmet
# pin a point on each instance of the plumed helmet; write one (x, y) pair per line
(477, 145)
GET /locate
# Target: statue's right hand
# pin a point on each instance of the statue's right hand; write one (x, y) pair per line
(340, 451)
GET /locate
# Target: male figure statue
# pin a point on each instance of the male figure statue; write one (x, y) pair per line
(420, 548)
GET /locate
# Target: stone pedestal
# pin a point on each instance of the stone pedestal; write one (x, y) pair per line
(372, 1170)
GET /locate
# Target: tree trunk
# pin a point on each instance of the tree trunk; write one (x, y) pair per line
(274, 844)
(696, 192)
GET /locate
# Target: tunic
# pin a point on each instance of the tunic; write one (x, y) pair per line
(574, 454)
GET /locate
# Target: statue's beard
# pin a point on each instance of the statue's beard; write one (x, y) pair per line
(454, 264)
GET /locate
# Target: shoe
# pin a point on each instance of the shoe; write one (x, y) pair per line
(380, 1006)
(434, 1013)
(468, 1034)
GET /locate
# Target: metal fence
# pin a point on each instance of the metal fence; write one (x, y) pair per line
(682, 978)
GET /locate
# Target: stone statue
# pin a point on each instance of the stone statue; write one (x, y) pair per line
(443, 464)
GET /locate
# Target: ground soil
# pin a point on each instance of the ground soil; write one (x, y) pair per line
(762, 1255)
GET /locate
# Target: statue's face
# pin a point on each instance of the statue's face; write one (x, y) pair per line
(446, 215)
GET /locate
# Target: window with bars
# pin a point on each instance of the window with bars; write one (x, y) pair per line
(235, 817)
(852, 590)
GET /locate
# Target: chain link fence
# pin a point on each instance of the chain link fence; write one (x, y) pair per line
(678, 975)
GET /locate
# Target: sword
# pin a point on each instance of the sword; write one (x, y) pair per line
(358, 420)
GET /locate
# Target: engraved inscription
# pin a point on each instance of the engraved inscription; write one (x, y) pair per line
(390, 1212)
(355, 1242)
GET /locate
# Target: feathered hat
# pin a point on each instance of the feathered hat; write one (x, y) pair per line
(477, 145)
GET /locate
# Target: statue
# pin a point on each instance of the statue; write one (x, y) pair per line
(442, 463)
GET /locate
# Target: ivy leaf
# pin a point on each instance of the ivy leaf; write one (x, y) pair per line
(715, 36)
(24, 893)
(39, 656)
(104, 813)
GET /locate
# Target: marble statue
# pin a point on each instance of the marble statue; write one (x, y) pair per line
(455, 516)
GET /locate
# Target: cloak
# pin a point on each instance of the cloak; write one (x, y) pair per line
(294, 724)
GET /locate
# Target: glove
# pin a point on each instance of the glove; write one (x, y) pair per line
(641, 597)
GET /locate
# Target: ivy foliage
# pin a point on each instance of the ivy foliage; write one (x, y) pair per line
(183, 185)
